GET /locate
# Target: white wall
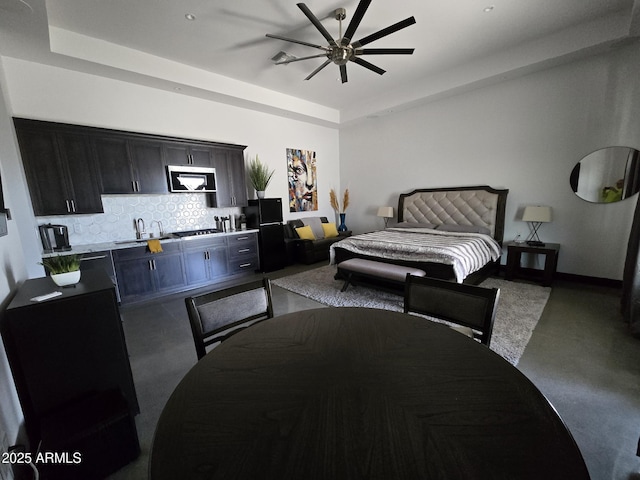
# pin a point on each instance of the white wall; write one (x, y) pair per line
(11, 258)
(524, 134)
(50, 93)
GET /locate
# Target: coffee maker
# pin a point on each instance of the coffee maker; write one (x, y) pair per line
(55, 238)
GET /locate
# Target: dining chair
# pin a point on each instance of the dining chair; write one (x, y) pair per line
(471, 308)
(215, 316)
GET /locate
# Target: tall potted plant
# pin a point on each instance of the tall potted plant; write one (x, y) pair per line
(259, 176)
(64, 269)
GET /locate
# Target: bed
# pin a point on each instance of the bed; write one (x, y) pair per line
(451, 233)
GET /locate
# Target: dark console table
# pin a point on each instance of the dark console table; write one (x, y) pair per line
(71, 369)
(353, 393)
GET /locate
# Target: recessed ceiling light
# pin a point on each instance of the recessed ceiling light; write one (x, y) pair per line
(190, 16)
(488, 9)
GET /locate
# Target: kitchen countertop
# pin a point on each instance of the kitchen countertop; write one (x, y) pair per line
(116, 245)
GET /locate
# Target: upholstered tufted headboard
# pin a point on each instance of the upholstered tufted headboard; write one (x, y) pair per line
(480, 206)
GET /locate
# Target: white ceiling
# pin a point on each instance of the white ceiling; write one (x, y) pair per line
(457, 46)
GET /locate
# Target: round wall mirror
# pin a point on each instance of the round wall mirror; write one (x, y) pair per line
(607, 175)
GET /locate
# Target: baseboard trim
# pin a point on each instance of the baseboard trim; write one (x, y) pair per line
(535, 274)
(600, 282)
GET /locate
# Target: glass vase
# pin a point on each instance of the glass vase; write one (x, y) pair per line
(342, 227)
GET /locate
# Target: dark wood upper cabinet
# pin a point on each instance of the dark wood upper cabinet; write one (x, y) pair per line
(69, 166)
(148, 166)
(115, 168)
(230, 176)
(60, 168)
(130, 165)
(187, 154)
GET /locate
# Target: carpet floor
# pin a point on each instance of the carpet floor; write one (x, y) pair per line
(519, 307)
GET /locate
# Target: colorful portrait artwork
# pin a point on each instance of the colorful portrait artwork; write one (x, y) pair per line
(301, 168)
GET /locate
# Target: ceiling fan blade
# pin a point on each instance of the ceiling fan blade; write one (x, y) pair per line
(384, 51)
(355, 21)
(368, 65)
(384, 32)
(285, 62)
(292, 40)
(316, 23)
(318, 69)
(343, 73)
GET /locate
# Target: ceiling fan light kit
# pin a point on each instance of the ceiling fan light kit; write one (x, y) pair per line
(343, 50)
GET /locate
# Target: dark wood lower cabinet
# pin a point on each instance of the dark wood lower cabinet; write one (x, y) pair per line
(71, 369)
(142, 274)
(184, 264)
(205, 260)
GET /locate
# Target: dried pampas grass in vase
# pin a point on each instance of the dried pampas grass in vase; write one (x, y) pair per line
(335, 204)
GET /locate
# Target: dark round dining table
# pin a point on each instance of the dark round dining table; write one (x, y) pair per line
(359, 393)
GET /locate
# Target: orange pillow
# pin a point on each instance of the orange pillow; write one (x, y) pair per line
(305, 233)
(330, 230)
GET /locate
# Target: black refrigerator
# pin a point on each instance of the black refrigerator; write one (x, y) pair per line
(265, 214)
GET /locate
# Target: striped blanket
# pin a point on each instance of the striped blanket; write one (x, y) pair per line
(466, 252)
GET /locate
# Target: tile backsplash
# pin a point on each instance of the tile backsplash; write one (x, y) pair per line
(180, 211)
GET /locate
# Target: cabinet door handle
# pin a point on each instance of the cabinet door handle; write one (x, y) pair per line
(152, 264)
(68, 206)
(245, 265)
(206, 255)
(98, 257)
(73, 206)
(242, 238)
(133, 186)
(242, 250)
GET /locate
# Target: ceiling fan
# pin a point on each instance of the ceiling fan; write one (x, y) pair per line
(344, 50)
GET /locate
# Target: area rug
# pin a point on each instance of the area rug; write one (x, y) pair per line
(519, 307)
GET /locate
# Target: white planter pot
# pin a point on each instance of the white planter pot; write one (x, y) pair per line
(65, 279)
(260, 193)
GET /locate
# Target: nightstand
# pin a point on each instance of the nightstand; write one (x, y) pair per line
(549, 250)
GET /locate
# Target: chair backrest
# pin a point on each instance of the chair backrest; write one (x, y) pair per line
(215, 316)
(467, 305)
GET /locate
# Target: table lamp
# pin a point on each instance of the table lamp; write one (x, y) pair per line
(536, 215)
(386, 213)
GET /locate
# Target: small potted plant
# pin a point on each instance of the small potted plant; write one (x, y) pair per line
(259, 176)
(64, 269)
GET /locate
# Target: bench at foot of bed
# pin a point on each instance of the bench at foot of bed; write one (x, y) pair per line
(356, 268)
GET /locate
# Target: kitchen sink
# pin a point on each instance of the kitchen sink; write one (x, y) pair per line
(145, 240)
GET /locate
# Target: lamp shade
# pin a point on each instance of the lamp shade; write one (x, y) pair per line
(536, 214)
(386, 212)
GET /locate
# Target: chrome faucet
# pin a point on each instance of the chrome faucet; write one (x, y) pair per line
(138, 224)
(160, 229)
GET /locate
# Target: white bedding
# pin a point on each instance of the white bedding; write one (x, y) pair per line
(465, 252)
